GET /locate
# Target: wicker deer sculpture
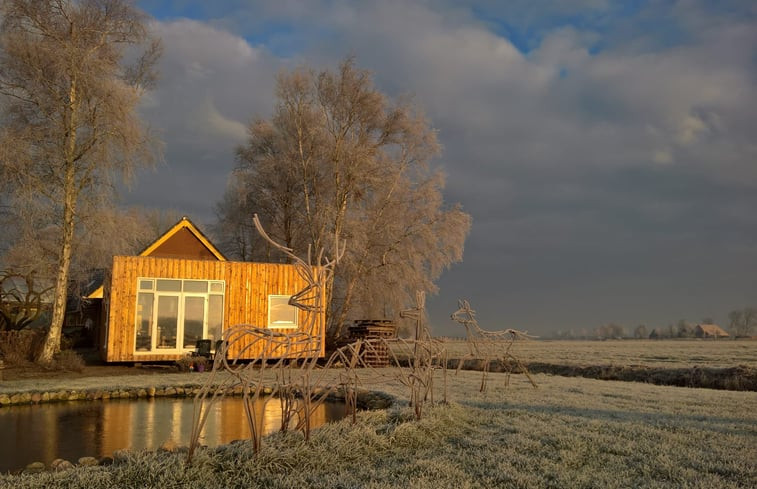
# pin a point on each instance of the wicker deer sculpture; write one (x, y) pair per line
(291, 357)
(489, 345)
(424, 356)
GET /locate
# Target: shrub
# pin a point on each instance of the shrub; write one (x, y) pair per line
(188, 363)
(68, 360)
(19, 347)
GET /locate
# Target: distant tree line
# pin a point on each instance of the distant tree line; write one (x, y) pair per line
(681, 329)
(741, 323)
(603, 332)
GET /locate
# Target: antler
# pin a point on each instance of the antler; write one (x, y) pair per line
(316, 276)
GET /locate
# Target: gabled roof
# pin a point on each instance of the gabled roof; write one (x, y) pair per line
(173, 244)
(183, 226)
(712, 330)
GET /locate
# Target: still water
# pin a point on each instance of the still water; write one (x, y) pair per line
(72, 430)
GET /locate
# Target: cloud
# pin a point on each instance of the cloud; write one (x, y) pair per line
(689, 129)
(212, 84)
(208, 118)
(662, 156)
(520, 127)
(605, 150)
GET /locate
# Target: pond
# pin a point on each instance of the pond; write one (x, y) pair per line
(70, 430)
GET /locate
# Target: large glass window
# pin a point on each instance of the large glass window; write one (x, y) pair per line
(194, 320)
(144, 321)
(172, 314)
(215, 317)
(168, 321)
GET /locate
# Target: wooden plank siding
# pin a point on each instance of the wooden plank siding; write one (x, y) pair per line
(245, 301)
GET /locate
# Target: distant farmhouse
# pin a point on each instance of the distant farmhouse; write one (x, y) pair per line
(709, 331)
(700, 331)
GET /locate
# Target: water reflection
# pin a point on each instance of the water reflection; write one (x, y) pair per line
(71, 430)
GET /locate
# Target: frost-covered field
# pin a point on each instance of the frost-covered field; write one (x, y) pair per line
(570, 432)
(649, 353)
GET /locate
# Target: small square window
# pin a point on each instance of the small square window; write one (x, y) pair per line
(216, 287)
(280, 313)
(146, 284)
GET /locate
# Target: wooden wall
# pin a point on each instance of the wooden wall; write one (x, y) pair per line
(246, 299)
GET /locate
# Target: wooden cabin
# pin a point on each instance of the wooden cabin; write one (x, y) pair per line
(181, 289)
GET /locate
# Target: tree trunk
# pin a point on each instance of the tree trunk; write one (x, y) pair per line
(52, 340)
(70, 194)
(338, 325)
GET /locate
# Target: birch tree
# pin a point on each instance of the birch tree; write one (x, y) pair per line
(339, 160)
(70, 117)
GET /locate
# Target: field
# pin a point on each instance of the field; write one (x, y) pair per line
(723, 364)
(569, 432)
(627, 353)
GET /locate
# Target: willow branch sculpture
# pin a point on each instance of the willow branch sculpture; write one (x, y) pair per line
(489, 345)
(424, 356)
(291, 357)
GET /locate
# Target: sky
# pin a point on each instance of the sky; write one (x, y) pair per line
(606, 151)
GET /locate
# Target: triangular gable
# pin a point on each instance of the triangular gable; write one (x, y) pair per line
(183, 240)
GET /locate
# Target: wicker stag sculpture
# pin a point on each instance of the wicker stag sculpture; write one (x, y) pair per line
(489, 345)
(287, 357)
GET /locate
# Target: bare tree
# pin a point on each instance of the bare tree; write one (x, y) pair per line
(640, 332)
(234, 231)
(337, 158)
(684, 329)
(743, 322)
(71, 117)
(99, 235)
(21, 300)
(151, 223)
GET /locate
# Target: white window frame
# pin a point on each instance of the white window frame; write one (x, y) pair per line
(181, 295)
(282, 324)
